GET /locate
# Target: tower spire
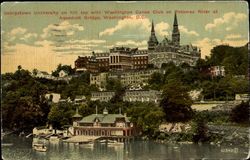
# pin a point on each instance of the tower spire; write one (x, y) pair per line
(175, 19)
(175, 33)
(152, 28)
(152, 42)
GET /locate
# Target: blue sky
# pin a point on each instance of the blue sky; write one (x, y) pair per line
(43, 41)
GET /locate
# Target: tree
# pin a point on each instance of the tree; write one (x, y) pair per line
(156, 80)
(66, 68)
(176, 102)
(146, 116)
(61, 114)
(235, 59)
(34, 72)
(150, 66)
(24, 105)
(113, 84)
(240, 113)
(200, 128)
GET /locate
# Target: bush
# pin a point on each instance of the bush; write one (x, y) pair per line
(240, 113)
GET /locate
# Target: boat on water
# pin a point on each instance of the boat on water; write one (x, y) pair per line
(39, 147)
(54, 139)
(102, 141)
(87, 144)
(114, 143)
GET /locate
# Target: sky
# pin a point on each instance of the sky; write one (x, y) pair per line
(42, 35)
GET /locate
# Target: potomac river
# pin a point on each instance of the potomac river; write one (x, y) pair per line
(135, 150)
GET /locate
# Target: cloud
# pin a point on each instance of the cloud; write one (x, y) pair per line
(29, 36)
(85, 41)
(138, 24)
(79, 46)
(19, 35)
(43, 43)
(233, 36)
(17, 31)
(230, 19)
(131, 42)
(184, 30)
(61, 30)
(161, 28)
(206, 44)
(43, 58)
(6, 48)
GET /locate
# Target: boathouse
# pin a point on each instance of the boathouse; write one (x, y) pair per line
(104, 125)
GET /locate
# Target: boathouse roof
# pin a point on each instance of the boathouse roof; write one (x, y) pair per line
(104, 118)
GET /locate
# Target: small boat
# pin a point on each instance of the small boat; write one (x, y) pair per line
(102, 141)
(87, 144)
(54, 138)
(39, 147)
(115, 143)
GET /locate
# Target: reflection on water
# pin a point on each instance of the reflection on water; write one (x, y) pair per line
(138, 150)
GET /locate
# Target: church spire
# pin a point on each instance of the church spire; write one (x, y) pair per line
(152, 28)
(175, 19)
(175, 33)
(152, 42)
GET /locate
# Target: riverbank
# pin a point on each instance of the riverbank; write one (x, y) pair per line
(228, 135)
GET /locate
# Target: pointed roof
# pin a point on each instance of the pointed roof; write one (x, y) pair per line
(152, 38)
(77, 115)
(175, 19)
(152, 27)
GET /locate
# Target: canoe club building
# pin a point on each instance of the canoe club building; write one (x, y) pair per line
(103, 125)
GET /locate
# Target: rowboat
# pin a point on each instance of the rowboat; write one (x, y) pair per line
(39, 147)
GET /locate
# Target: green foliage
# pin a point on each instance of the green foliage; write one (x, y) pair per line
(156, 81)
(240, 114)
(67, 68)
(113, 84)
(61, 114)
(176, 103)
(200, 129)
(78, 86)
(150, 66)
(214, 117)
(24, 105)
(235, 59)
(53, 86)
(224, 88)
(146, 116)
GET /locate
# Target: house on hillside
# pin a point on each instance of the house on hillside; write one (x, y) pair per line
(63, 73)
(80, 99)
(54, 97)
(216, 71)
(43, 74)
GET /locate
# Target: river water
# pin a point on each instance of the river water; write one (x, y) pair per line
(136, 150)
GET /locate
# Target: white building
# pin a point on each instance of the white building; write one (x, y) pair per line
(55, 97)
(142, 96)
(62, 73)
(242, 97)
(102, 96)
(43, 74)
(80, 99)
(217, 71)
(100, 80)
